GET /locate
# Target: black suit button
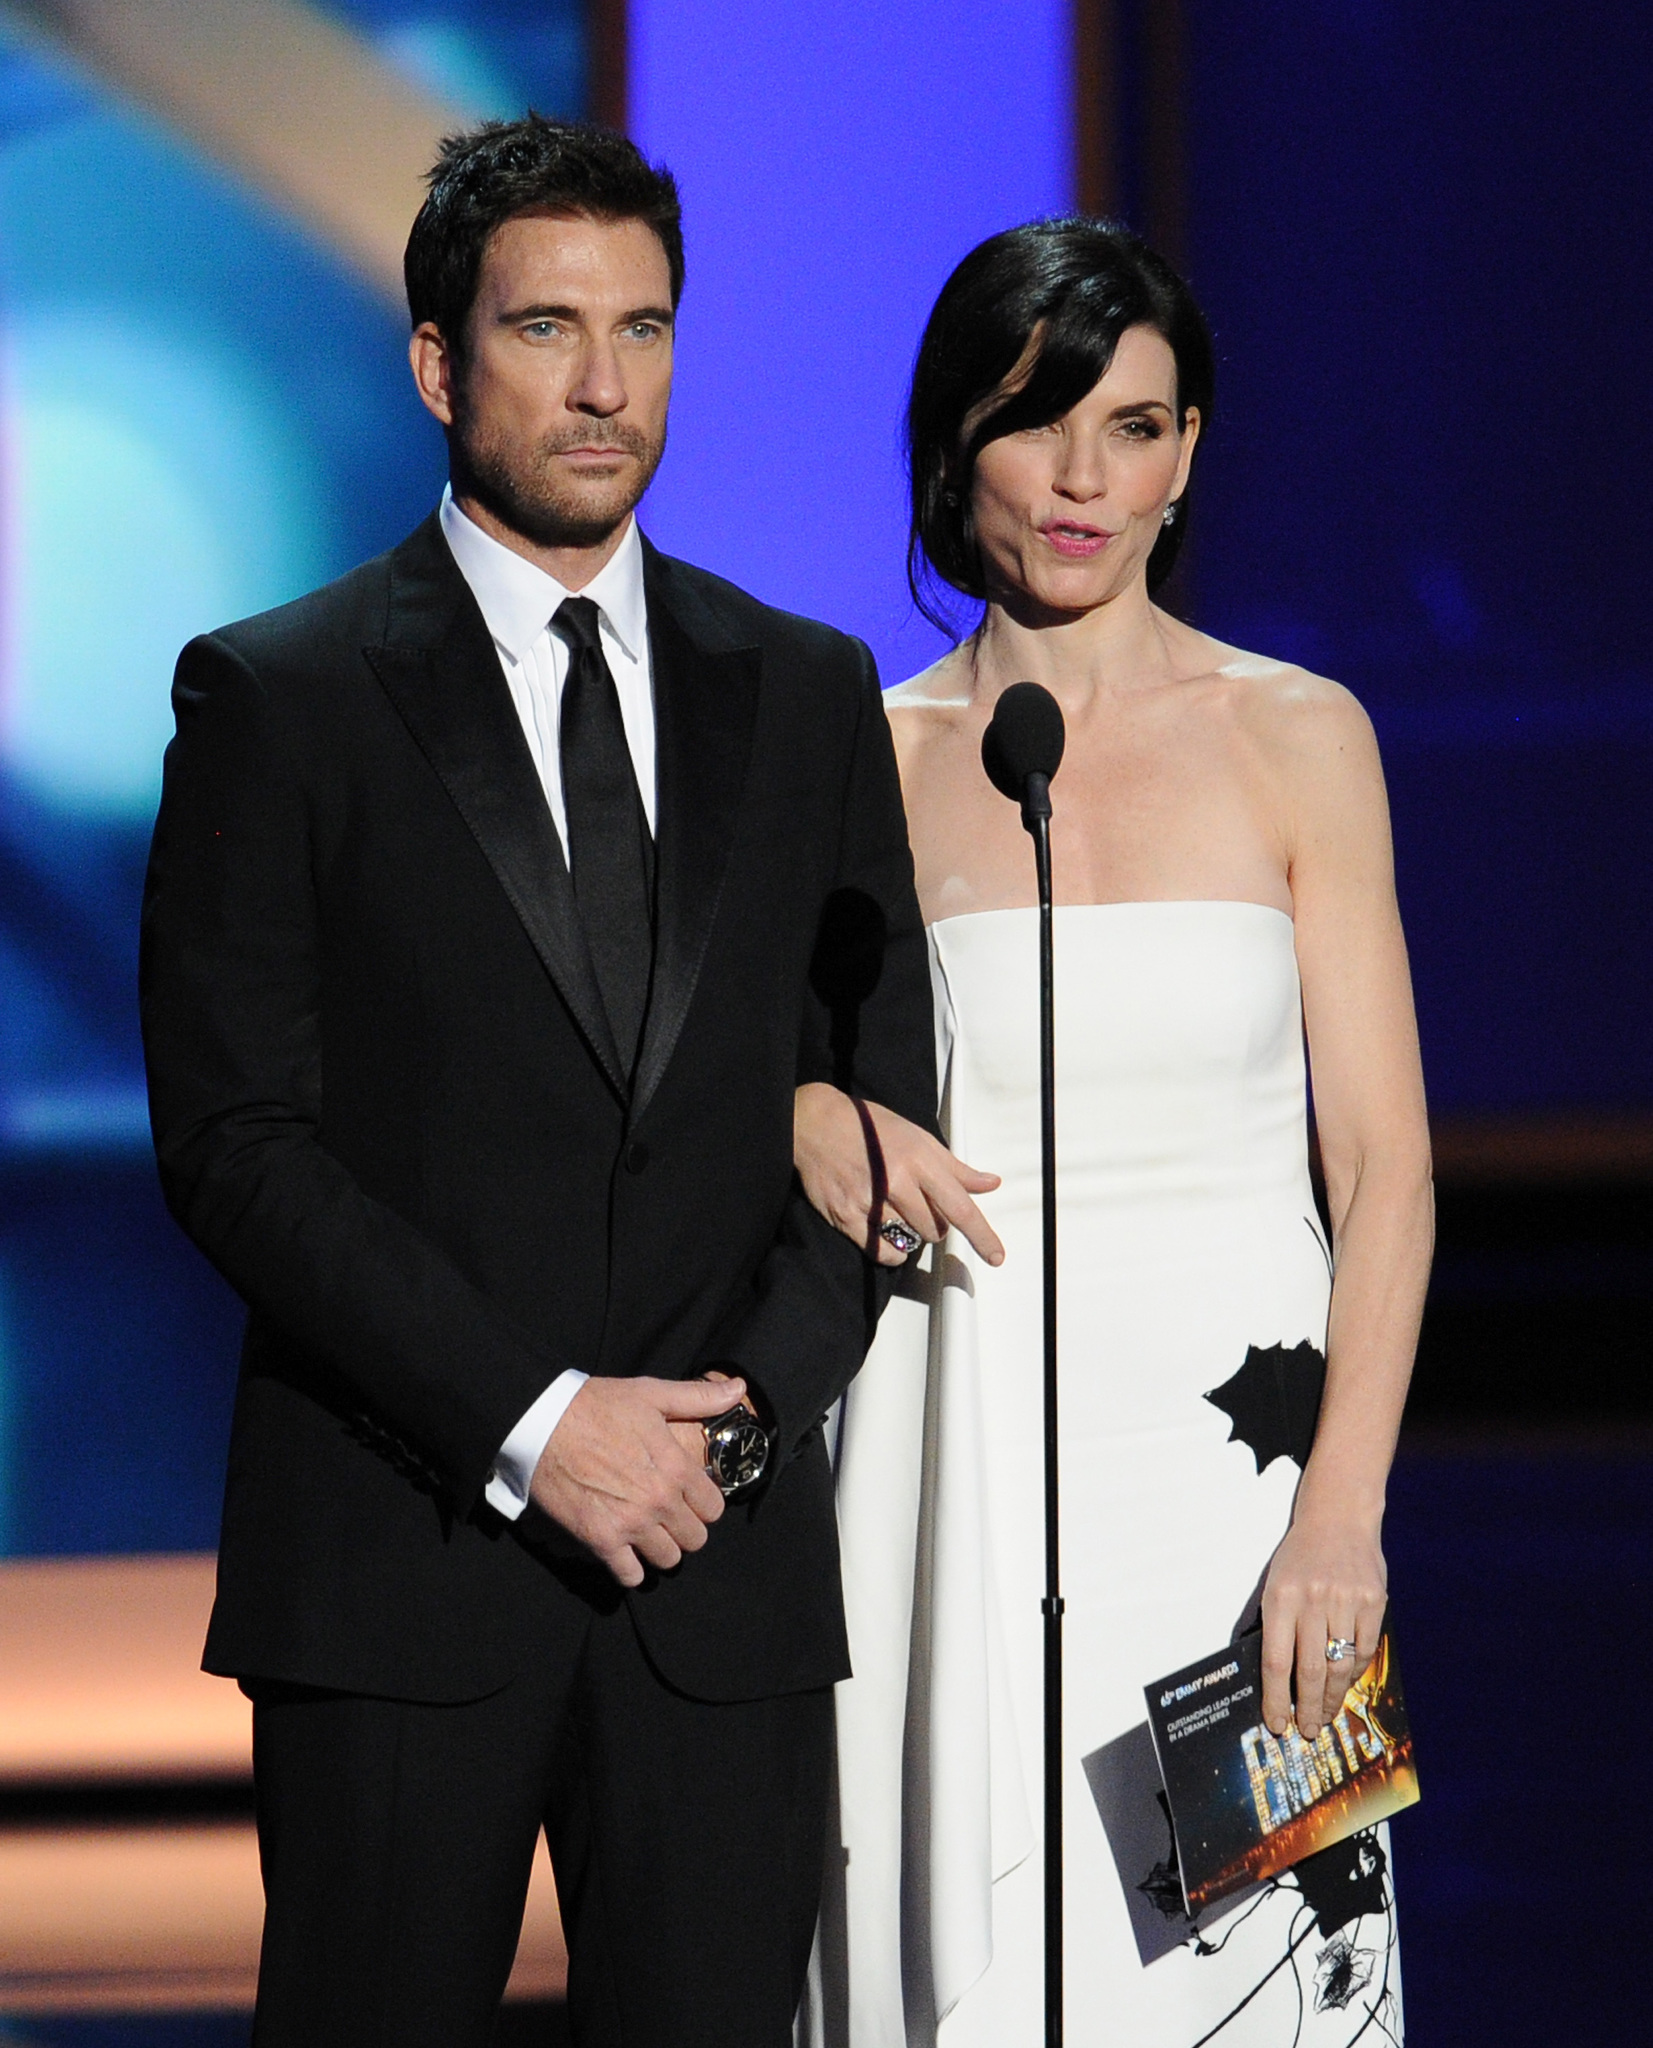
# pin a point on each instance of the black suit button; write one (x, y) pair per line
(637, 1156)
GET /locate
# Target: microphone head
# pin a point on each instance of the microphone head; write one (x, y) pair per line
(1025, 736)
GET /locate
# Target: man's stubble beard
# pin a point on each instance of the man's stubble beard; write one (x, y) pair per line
(522, 492)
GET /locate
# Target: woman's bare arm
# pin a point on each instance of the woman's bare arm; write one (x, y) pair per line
(864, 1170)
(1328, 1578)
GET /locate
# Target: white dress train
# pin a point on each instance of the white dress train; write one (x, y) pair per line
(1189, 1241)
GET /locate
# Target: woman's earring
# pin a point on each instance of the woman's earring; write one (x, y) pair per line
(949, 497)
(1169, 516)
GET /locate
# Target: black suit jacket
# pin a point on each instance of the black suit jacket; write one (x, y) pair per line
(386, 1104)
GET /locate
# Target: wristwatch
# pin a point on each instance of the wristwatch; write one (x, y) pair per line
(737, 1450)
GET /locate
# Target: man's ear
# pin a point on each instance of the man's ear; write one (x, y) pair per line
(433, 369)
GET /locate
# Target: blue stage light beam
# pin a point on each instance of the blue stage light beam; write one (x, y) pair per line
(835, 164)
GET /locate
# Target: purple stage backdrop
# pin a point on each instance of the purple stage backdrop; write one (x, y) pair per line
(835, 163)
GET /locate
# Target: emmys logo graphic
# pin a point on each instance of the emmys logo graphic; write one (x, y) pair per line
(1288, 1774)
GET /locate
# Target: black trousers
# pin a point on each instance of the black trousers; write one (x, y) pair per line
(396, 1840)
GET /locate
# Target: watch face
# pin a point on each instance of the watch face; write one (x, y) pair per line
(740, 1450)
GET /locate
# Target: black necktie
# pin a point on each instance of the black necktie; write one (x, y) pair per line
(610, 852)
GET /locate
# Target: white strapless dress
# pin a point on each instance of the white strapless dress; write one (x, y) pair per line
(1188, 1237)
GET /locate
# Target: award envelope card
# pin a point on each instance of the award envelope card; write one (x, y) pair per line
(1246, 1804)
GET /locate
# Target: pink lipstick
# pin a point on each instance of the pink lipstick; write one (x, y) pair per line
(1074, 539)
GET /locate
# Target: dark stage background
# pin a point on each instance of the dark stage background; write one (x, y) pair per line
(1421, 235)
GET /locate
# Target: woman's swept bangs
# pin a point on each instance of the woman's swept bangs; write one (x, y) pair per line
(1076, 344)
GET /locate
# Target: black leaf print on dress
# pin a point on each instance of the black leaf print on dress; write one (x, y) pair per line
(1340, 1971)
(1343, 1882)
(1162, 1887)
(1273, 1402)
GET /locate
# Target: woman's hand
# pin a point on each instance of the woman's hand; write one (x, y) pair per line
(863, 1166)
(1328, 1582)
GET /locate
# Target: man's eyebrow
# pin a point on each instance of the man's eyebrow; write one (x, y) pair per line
(513, 316)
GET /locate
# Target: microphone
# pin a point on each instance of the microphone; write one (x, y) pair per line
(1022, 747)
(1021, 750)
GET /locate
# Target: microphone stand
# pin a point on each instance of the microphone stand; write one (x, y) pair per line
(1036, 818)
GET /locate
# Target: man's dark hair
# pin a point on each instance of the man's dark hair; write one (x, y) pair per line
(1077, 284)
(483, 177)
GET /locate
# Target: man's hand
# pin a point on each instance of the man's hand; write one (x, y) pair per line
(618, 1475)
(692, 1436)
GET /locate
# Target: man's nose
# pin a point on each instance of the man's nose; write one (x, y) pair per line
(600, 387)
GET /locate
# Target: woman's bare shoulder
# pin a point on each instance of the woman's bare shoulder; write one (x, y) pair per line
(944, 686)
(929, 706)
(1292, 714)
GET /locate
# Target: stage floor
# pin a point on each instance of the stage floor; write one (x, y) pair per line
(1522, 1568)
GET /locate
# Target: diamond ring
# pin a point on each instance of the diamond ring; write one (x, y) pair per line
(1338, 1649)
(905, 1240)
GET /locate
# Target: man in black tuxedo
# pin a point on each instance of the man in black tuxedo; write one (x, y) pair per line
(483, 950)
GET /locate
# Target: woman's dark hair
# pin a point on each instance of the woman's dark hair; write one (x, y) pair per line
(485, 176)
(1076, 284)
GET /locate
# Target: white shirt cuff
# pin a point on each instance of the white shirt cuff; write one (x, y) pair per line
(513, 1473)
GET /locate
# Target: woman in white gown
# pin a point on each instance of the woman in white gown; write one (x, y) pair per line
(1223, 881)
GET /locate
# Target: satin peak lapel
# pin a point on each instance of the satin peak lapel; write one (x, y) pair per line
(452, 698)
(705, 708)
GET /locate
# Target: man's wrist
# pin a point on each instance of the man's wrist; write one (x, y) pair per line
(512, 1478)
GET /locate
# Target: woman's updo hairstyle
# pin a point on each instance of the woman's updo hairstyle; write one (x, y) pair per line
(1078, 284)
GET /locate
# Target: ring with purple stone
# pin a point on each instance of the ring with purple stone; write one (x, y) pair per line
(901, 1236)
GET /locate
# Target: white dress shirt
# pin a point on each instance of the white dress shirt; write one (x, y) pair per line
(518, 602)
